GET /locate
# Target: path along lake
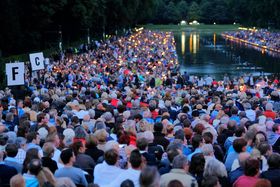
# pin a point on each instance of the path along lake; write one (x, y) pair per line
(203, 54)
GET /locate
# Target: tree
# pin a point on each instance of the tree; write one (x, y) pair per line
(194, 12)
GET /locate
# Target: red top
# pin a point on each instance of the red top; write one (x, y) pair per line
(270, 114)
(245, 181)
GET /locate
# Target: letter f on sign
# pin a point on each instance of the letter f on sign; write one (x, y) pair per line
(14, 72)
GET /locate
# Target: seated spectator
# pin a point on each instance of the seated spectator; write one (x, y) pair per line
(197, 166)
(273, 172)
(6, 172)
(109, 168)
(213, 167)
(142, 145)
(149, 177)
(34, 167)
(235, 174)
(11, 153)
(251, 173)
(75, 174)
(239, 145)
(48, 152)
(92, 150)
(83, 161)
(179, 172)
(33, 141)
(21, 144)
(132, 173)
(17, 181)
(211, 181)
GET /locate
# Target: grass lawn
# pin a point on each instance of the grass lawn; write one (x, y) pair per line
(198, 28)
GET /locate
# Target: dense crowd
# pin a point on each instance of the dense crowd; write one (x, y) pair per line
(261, 37)
(121, 114)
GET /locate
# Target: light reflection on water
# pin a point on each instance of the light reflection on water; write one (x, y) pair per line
(211, 54)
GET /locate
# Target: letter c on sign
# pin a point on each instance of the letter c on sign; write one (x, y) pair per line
(37, 61)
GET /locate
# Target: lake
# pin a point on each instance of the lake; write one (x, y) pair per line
(205, 54)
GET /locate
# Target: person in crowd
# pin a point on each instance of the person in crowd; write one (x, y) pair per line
(197, 166)
(21, 144)
(30, 155)
(6, 172)
(109, 168)
(133, 172)
(272, 174)
(211, 181)
(180, 168)
(34, 167)
(251, 173)
(17, 181)
(235, 174)
(149, 176)
(83, 161)
(11, 153)
(92, 150)
(68, 159)
(48, 152)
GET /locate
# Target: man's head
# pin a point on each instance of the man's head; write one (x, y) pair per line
(67, 156)
(34, 166)
(11, 150)
(180, 162)
(239, 145)
(111, 157)
(135, 159)
(276, 128)
(33, 137)
(242, 157)
(142, 144)
(48, 150)
(252, 167)
(274, 161)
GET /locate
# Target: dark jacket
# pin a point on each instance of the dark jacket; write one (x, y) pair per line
(160, 140)
(6, 173)
(273, 175)
(94, 153)
(49, 163)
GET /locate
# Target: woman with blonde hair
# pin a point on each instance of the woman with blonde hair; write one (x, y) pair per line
(46, 178)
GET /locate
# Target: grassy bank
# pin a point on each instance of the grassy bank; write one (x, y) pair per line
(191, 28)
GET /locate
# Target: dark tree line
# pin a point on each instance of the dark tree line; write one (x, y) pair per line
(32, 25)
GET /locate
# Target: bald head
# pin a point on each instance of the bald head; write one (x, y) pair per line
(242, 157)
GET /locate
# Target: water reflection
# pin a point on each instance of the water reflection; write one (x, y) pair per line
(214, 39)
(183, 41)
(194, 43)
(203, 54)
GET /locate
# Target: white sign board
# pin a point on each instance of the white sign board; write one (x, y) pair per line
(37, 61)
(15, 73)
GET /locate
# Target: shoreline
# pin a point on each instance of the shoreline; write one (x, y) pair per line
(235, 39)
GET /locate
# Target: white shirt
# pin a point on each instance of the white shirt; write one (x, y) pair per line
(130, 174)
(56, 155)
(104, 174)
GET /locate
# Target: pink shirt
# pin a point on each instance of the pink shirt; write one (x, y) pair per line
(245, 181)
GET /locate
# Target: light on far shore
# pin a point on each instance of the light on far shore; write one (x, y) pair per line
(214, 23)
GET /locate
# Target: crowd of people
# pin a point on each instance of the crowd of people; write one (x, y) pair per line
(261, 37)
(121, 114)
